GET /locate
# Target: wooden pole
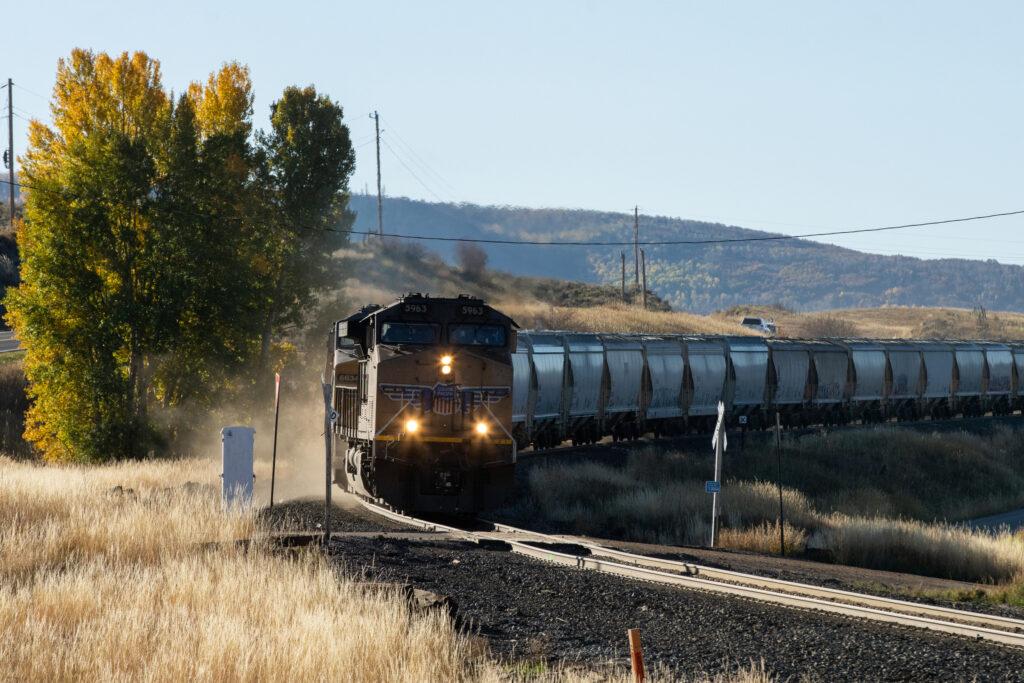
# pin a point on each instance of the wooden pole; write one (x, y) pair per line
(273, 453)
(623, 255)
(636, 247)
(10, 145)
(636, 655)
(328, 438)
(643, 273)
(380, 195)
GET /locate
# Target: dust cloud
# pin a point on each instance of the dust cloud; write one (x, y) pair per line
(300, 442)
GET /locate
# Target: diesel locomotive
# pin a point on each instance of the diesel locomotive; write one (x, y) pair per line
(422, 392)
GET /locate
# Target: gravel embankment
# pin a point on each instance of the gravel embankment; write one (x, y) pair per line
(528, 609)
(308, 515)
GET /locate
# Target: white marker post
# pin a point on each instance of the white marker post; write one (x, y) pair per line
(718, 442)
(236, 462)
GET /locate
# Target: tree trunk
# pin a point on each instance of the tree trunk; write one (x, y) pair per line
(268, 324)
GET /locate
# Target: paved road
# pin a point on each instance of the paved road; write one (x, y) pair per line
(7, 342)
(1014, 520)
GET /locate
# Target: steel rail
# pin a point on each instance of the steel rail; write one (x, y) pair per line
(866, 607)
(768, 583)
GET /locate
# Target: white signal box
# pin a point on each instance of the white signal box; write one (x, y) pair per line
(237, 474)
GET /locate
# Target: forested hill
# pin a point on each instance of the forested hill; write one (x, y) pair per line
(799, 274)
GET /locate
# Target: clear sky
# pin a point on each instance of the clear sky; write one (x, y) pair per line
(785, 116)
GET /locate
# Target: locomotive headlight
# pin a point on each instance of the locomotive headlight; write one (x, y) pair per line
(412, 426)
(446, 369)
(446, 360)
(481, 428)
(446, 364)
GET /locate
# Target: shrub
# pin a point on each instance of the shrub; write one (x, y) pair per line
(472, 260)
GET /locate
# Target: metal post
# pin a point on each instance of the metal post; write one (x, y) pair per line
(778, 453)
(273, 455)
(328, 439)
(719, 449)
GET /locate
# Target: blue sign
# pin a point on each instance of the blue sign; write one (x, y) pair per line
(712, 486)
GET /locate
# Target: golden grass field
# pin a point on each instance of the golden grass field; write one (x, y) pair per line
(146, 583)
(891, 322)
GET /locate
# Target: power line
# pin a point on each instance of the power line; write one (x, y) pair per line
(418, 159)
(412, 172)
(539, 243)
(32, 92)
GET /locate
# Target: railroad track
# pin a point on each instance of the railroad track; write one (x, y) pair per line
(595, 557)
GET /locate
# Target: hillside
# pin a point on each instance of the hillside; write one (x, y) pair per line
(382, 270)
(799, 274)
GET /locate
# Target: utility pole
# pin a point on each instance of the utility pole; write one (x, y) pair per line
(643, 272)
(636, 246)
(623, 255)
(380, 197)
(10, 146)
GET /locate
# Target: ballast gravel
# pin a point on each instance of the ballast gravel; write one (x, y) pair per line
(531, 610)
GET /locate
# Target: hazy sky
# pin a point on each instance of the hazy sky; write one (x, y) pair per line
(786, 116)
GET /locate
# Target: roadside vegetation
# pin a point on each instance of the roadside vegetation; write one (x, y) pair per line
(132, 571)
(881, 499)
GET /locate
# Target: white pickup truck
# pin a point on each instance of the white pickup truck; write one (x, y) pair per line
(760, 324)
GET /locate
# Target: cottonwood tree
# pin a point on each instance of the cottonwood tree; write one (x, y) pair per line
(133, 290)
(306, 161)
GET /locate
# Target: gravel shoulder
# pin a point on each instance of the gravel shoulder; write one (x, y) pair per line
(530, 610)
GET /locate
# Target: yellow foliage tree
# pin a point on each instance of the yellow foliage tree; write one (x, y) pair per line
(135, 283)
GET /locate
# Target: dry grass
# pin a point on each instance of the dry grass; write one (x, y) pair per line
(615, 318)
(659, 497)
(639, 502)
(890, 322)
(145, 583)
(59, 517)
(765, 538)
(941, 550)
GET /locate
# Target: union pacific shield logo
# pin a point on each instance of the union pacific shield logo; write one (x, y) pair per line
(444, 399)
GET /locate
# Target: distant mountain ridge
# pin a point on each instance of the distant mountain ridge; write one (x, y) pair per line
(798, 274)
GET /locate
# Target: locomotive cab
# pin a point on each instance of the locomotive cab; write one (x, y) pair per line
(423, 392)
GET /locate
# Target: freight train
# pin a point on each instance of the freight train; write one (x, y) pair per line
(435, 396)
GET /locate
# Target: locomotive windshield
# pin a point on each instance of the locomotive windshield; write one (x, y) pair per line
(408, 333)
(469, 334)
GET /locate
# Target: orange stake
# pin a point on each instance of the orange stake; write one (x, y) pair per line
(636, 654)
